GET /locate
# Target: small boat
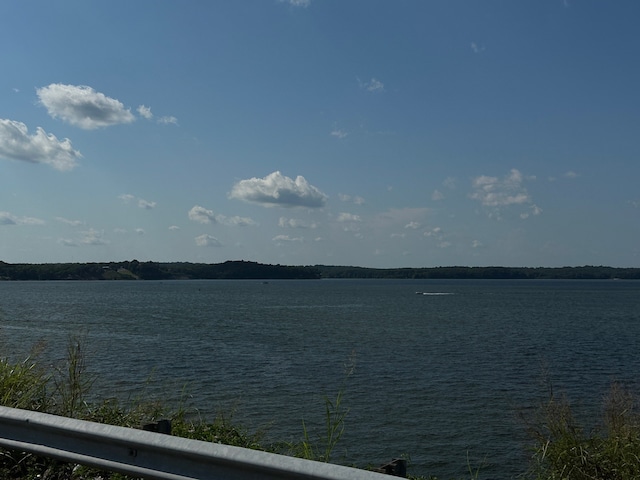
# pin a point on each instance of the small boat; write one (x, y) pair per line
(434, 294)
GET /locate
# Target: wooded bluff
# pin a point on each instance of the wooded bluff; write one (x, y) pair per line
(135, 270)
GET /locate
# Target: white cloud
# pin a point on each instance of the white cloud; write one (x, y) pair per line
(168, 120)
(173, 228)
(93, 237)
(17, 144)
(348, 217)
(206, 240)
(348, 198)
(7, 218)
(286, 238)
(535, 210)
(298, 3)
(145, 204)
(501, 193)
(145, 112)
(450, 183)
(277, 190)
(67, 242)
(437, 195)
(412, 225)
(434, 232)
(353, 228)
(570, 175)
(338, 133)
(295, 223)
(73, 223)
(395, 218)
(439, 236)
(82, 106)
(239, 221)
(373, 85)
(202, 215)
(140, 231)
(142, 203)
(477, 48)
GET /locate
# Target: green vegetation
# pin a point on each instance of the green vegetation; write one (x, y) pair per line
(495, 273)
(134, 270)
(566, 449)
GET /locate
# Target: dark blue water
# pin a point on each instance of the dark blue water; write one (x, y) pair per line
(439, 378)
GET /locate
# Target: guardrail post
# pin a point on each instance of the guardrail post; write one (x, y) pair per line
(161, 426)
(396, 467)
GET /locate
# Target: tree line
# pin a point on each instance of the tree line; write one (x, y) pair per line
(135, 270)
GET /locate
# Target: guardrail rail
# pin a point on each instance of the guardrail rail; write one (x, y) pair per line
(154, 455)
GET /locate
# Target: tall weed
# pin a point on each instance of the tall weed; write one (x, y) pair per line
(564, 449)
(23, 385)
(335, 413)
(72, 381)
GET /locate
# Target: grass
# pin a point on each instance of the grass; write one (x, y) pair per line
(563, 448)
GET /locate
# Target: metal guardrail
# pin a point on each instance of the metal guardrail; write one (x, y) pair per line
(153, 455)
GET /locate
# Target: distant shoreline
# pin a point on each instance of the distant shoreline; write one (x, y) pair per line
(134, 270)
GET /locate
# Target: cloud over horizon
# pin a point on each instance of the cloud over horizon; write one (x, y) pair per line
(202, 215)
(297, 3)
(7, 218)
(145, 112)
(284, 222)
(278, 190)
(498, 193)
(142, 203)
(207, 240)
(17, 144)
(83, 107)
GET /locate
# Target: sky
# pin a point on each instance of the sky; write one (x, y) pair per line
(395, 133)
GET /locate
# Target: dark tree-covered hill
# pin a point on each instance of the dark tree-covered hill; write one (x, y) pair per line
(135, 270)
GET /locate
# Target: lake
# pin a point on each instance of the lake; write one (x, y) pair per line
(441, 367)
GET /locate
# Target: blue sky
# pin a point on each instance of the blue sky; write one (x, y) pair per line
(341, 132)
